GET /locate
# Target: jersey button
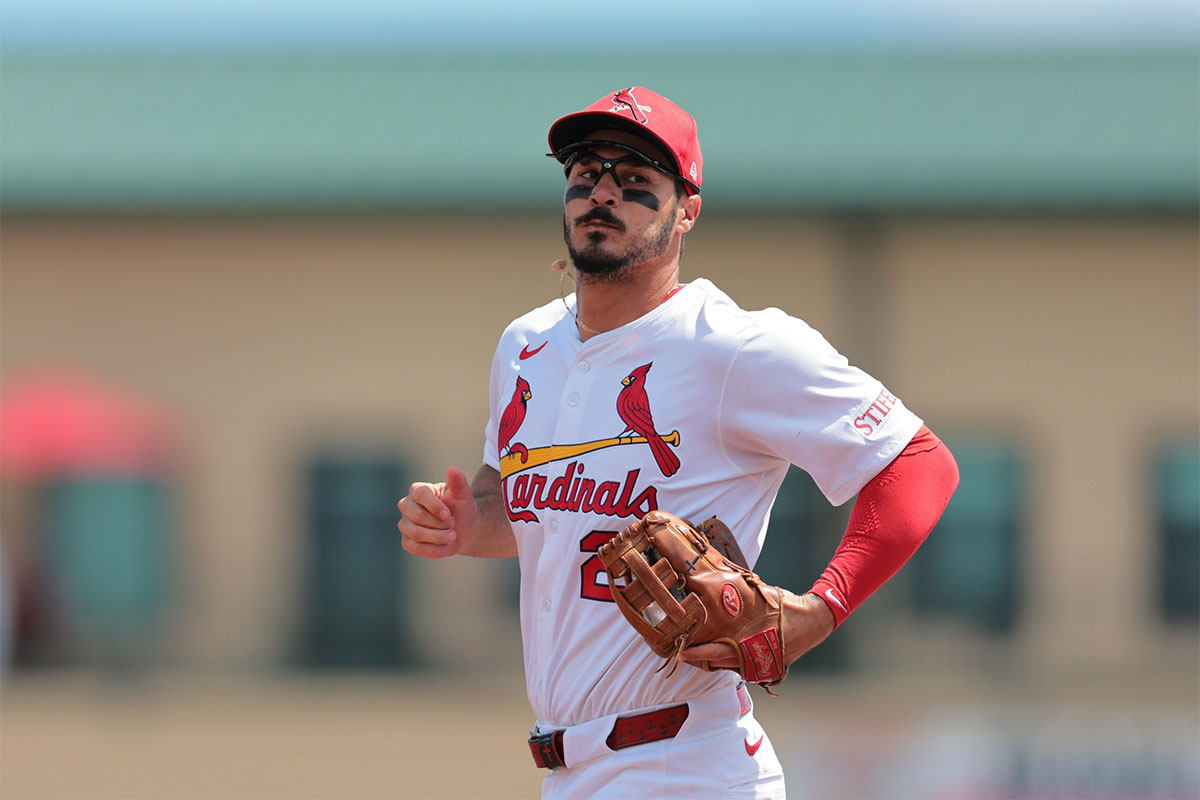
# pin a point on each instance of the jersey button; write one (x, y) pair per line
(573, 400)
(546, 606)
(583, 367)
(553, 526)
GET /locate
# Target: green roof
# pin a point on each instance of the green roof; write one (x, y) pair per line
(838, 131)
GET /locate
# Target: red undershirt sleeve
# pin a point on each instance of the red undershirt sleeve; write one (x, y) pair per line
(893, 514)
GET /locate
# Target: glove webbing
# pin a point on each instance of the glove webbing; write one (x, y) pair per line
(681, 618)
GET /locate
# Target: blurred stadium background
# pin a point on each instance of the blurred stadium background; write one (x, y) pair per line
(254, 258)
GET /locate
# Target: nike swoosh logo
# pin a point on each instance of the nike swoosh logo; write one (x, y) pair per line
(526, 352)
(751, 749)
(829, 593)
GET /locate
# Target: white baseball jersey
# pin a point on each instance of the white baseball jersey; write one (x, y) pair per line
(697, 408)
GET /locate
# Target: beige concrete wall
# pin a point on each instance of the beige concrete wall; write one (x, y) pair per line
(1079, 338)
(268, 336)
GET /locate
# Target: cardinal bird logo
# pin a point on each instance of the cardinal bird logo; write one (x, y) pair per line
(528, 487)
(513, 416)
(633, 406)
(637, 110)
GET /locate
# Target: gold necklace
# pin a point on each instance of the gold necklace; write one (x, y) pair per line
(560, 266)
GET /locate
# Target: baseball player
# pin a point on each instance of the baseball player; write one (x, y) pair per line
(638, 393)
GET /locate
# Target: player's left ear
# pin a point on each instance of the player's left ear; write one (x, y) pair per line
(686, 213)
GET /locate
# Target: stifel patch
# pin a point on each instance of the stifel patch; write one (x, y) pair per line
(869, 421)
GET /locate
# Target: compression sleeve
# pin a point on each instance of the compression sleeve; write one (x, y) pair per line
(894, 513)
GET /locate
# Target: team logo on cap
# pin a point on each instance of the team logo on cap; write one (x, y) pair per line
(625, 98)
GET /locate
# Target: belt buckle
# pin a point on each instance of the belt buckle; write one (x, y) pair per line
(745, 706)
(547, 749)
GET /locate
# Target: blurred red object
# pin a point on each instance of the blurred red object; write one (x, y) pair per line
(58, 422)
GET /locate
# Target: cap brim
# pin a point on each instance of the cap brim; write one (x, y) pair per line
(576, 128)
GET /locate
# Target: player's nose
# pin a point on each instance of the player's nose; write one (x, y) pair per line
(606, 191)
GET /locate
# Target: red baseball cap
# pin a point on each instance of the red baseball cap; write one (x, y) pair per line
(645, 113)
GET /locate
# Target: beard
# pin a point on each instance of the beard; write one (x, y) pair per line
(599, 265)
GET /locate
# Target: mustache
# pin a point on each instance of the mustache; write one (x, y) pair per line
(601, 214)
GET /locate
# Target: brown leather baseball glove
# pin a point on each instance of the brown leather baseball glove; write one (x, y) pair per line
(679, 585)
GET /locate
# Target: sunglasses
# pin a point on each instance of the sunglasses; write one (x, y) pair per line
(580, 155)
